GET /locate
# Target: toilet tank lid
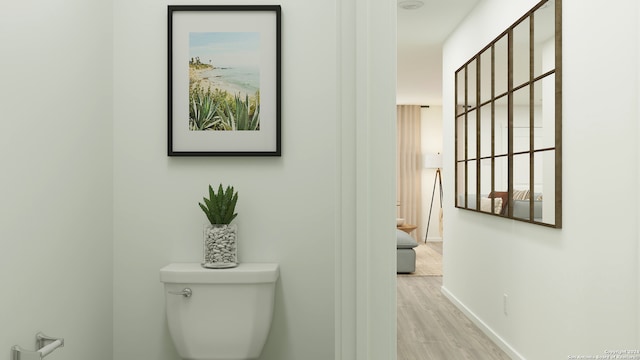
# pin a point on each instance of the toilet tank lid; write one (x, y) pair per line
(194, 273)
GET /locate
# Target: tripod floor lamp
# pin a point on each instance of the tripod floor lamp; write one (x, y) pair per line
(434, 161)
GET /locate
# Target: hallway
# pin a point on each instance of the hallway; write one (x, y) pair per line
(431, 328)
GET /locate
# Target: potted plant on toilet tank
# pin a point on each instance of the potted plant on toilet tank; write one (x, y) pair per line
(220, 236)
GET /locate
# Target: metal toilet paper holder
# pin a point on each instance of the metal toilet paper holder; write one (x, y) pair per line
(45, 345)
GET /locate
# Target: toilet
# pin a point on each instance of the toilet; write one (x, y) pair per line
(221, 314)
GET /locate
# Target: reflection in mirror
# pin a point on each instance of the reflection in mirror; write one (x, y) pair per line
(521, 187)
(460, 92)
(460, 146)
(544, 29)
(472, 181)
(500, 73)
(546, 114)
(521, 53)
(485, 76)
(501, 175)
(501, 123)
(545, 164)
(485, 131)
(521, 120)
(471, 84)
(508, 141)
(486, 202)
(521, 172)
(471, 135)
(460, 184)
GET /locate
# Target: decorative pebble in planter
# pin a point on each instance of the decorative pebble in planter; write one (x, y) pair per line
(220, 246)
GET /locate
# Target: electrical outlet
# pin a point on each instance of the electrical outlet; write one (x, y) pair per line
(505, 297)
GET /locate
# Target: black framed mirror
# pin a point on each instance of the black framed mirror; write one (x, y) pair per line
(508, 126)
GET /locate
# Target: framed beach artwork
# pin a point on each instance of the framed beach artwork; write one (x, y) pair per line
(224, 80)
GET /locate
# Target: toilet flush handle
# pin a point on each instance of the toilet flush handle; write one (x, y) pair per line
(186, 292)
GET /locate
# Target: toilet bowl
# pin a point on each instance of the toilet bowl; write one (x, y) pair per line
(221, 314)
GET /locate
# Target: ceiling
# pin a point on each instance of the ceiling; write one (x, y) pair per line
(421, 33)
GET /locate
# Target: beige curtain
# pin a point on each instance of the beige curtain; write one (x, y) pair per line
(409, 168)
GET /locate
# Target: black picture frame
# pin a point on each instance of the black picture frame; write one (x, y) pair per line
(226, 102)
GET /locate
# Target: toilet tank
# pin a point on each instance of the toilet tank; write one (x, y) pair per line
(228, 314)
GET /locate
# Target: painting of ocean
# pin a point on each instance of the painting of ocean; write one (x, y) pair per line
(224, 81)
(228, 60)
(243, 79)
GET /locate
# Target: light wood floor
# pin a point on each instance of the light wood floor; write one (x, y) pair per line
(434, 245)
(430, 327)
(428, 260)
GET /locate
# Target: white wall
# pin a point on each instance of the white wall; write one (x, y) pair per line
(286, 204)
(56, 177)
(419, 84)
(572, 291)
(366, 280)
(93, 207)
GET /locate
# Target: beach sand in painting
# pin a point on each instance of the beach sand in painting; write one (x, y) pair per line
(208, 80)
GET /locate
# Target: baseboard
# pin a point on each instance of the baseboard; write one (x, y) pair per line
(502, 344)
